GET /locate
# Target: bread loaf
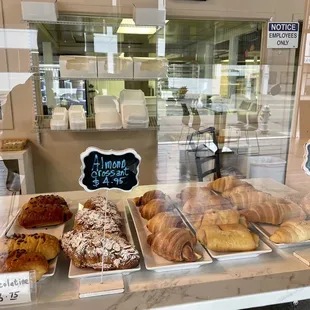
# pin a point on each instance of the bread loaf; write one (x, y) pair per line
(87, 248)
(44, 210)
(227, 238)
(44, 244)
(155, 206)
(164, 220)
(21, 260)
(272, 212)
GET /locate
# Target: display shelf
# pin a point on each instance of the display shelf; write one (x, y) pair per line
(42, 124)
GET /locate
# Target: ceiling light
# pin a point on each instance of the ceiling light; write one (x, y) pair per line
(128, 26)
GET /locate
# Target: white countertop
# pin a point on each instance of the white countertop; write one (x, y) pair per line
(277, 271)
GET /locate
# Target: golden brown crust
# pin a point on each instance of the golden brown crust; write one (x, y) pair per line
(220, 217)
(193, 192)
(305, 204)
(148, 196)
(155, 206)
(44, 210)
(21, 260)
(164, 220)
(225, 183)
(174, 244)
(227, 238)
(44, 244)
(238, 189)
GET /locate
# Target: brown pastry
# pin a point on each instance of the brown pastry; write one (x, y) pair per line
(220, 217)
(223, 184)
(100, 203)
(227, 238)
(148, 196)
(174, 244)
(87, 248)
(245, 199)
(44, 244)
(48, 210)
(271, 212)
(203, 204)
(87, 219)
(238, 189)
(164, 220)
(292, 231)
(155, 206)
(305, 204)
(21, 260)
(193, 192)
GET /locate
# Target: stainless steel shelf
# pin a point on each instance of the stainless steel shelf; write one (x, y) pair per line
(42, 124)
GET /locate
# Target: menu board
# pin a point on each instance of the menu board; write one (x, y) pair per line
(109, 169)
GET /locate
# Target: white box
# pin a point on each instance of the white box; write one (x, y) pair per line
(39, 11)
(149, 16)
(110, 119)
(119, 67)
(104, 103)
(135, 116)
(59, 119)
(78, 67)
(132, 96)
(150, 68)
(77, 117)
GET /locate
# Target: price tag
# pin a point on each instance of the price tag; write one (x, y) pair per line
(15, 288)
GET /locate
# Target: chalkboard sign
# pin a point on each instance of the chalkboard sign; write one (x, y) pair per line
(306, 162)
(109, 169)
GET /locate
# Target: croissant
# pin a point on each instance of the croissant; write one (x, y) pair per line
(148, 196)
(305, 204)
(238, 189)
(223, 184)
(271, 212)
(193, 192)
(202, 204)
(227, 238)
(244, 200)
(155, 206)
(174, 244)
(164, 220)
(220, 217)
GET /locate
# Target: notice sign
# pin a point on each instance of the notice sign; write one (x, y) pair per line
(109, 169)
(283, 35)
(15, 288)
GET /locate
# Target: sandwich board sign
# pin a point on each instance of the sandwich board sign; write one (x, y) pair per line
(283, 35)
(109, 169)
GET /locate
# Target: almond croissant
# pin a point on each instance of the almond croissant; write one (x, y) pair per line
(174, 244)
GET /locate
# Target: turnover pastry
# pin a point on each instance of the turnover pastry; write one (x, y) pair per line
(155, 206)
(87, 248)
(193, 192)
(21, 260)
(174, 244)
(148, 196)
(292, 231)
(164, 220)
(273, 212)
(202, 204)
(88, 219)
(44, 244)
(44, 210)
(227, 238)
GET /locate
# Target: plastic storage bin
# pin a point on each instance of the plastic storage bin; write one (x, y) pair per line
(132, 96)
(134, 116)
(109, 119)
(267, 167)
(77, 117)
(59, 119)
(78, 67)
(122, 67)
(104, 103)
(150, 68)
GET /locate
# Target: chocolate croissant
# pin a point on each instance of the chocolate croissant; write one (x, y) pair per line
(155, 206)
(148, 196)
(164, 220)
(174, 244)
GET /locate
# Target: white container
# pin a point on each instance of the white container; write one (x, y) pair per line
(109, 119)
(119, 67)
(132, 96)
(78, 67)
(267, 167)
(77, 117)
(150, 68)
(134, 116)
(104, 103)
(59, 119)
